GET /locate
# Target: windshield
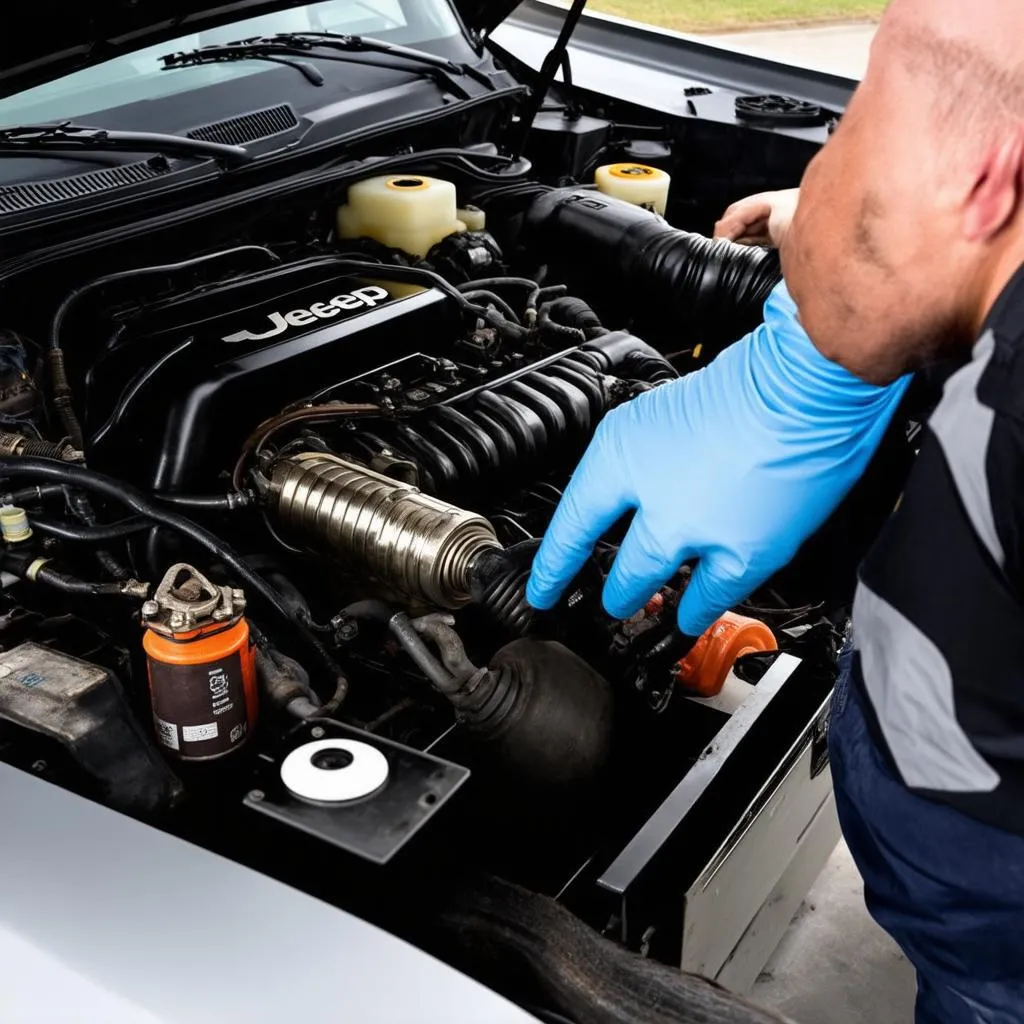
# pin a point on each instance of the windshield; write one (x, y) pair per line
(138, 76)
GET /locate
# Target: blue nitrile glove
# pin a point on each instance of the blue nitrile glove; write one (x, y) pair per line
(735, 465)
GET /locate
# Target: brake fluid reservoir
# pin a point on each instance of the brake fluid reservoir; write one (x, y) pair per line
(410, 212)
(635, 183)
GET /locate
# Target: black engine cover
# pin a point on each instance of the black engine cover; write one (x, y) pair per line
(170, 404)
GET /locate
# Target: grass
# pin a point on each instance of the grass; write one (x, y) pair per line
(726, 15)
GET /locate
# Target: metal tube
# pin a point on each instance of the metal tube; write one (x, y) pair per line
(406, 635)
(416, 546)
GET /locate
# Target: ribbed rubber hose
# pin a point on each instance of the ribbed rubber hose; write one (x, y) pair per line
(706, 287)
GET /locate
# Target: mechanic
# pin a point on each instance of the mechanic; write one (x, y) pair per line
(907, 244)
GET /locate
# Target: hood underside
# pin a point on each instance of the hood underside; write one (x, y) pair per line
(484, 15)
(50, 38)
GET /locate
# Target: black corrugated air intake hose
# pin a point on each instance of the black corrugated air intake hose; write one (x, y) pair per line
(665, 283)
(573, 312)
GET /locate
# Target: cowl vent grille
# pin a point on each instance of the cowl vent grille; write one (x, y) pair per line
(33, 194)
(236, 131)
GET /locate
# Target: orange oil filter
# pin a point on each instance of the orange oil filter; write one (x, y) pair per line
(704, 670)
(202, 666)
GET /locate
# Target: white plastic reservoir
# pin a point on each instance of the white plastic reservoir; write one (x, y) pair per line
(635, 183)
(410, 212)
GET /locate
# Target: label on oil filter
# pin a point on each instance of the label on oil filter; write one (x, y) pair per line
(199, 710)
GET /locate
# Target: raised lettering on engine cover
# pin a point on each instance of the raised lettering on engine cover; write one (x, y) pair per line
(348, 302)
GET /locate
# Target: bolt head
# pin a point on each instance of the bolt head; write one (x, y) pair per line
(318, 732)
(256, 795)
(150, 608)
(39, 766)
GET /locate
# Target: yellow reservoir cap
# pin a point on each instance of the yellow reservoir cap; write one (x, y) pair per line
(638, 184)
(411, 212)
(14, 525)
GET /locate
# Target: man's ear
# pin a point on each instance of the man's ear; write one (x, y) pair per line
(998, 191)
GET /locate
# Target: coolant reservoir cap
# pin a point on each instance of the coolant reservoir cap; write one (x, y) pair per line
(334, 770)
(639, 184)
(634, 171)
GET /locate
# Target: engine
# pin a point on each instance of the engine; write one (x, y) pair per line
(270, 510)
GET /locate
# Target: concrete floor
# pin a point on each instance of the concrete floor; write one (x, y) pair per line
(837, 49)
(835, 965)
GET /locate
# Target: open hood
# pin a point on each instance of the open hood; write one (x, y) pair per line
(484, 15)
(48, 38)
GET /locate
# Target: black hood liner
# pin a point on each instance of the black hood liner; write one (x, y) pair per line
(44, 39)
(484, 15)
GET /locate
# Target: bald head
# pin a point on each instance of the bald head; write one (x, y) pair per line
(990, 27)
(967, 56)
(911, 219)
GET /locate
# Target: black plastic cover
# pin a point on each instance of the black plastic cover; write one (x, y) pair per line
(184, 385)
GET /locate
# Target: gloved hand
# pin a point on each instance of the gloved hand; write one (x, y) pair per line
(763, 219)
(734, 465)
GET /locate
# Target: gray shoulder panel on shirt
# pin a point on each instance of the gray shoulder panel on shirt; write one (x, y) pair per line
(911, 689)
(963, 427)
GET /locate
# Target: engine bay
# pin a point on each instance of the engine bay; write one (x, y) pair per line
(269, 511)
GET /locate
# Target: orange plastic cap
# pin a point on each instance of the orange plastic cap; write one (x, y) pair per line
(704, 670)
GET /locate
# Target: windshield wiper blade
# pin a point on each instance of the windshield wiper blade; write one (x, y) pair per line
(340, 48)
(225, 53)
(365, 44)
(37, 138)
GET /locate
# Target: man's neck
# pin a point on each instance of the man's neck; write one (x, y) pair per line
(995, 284)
